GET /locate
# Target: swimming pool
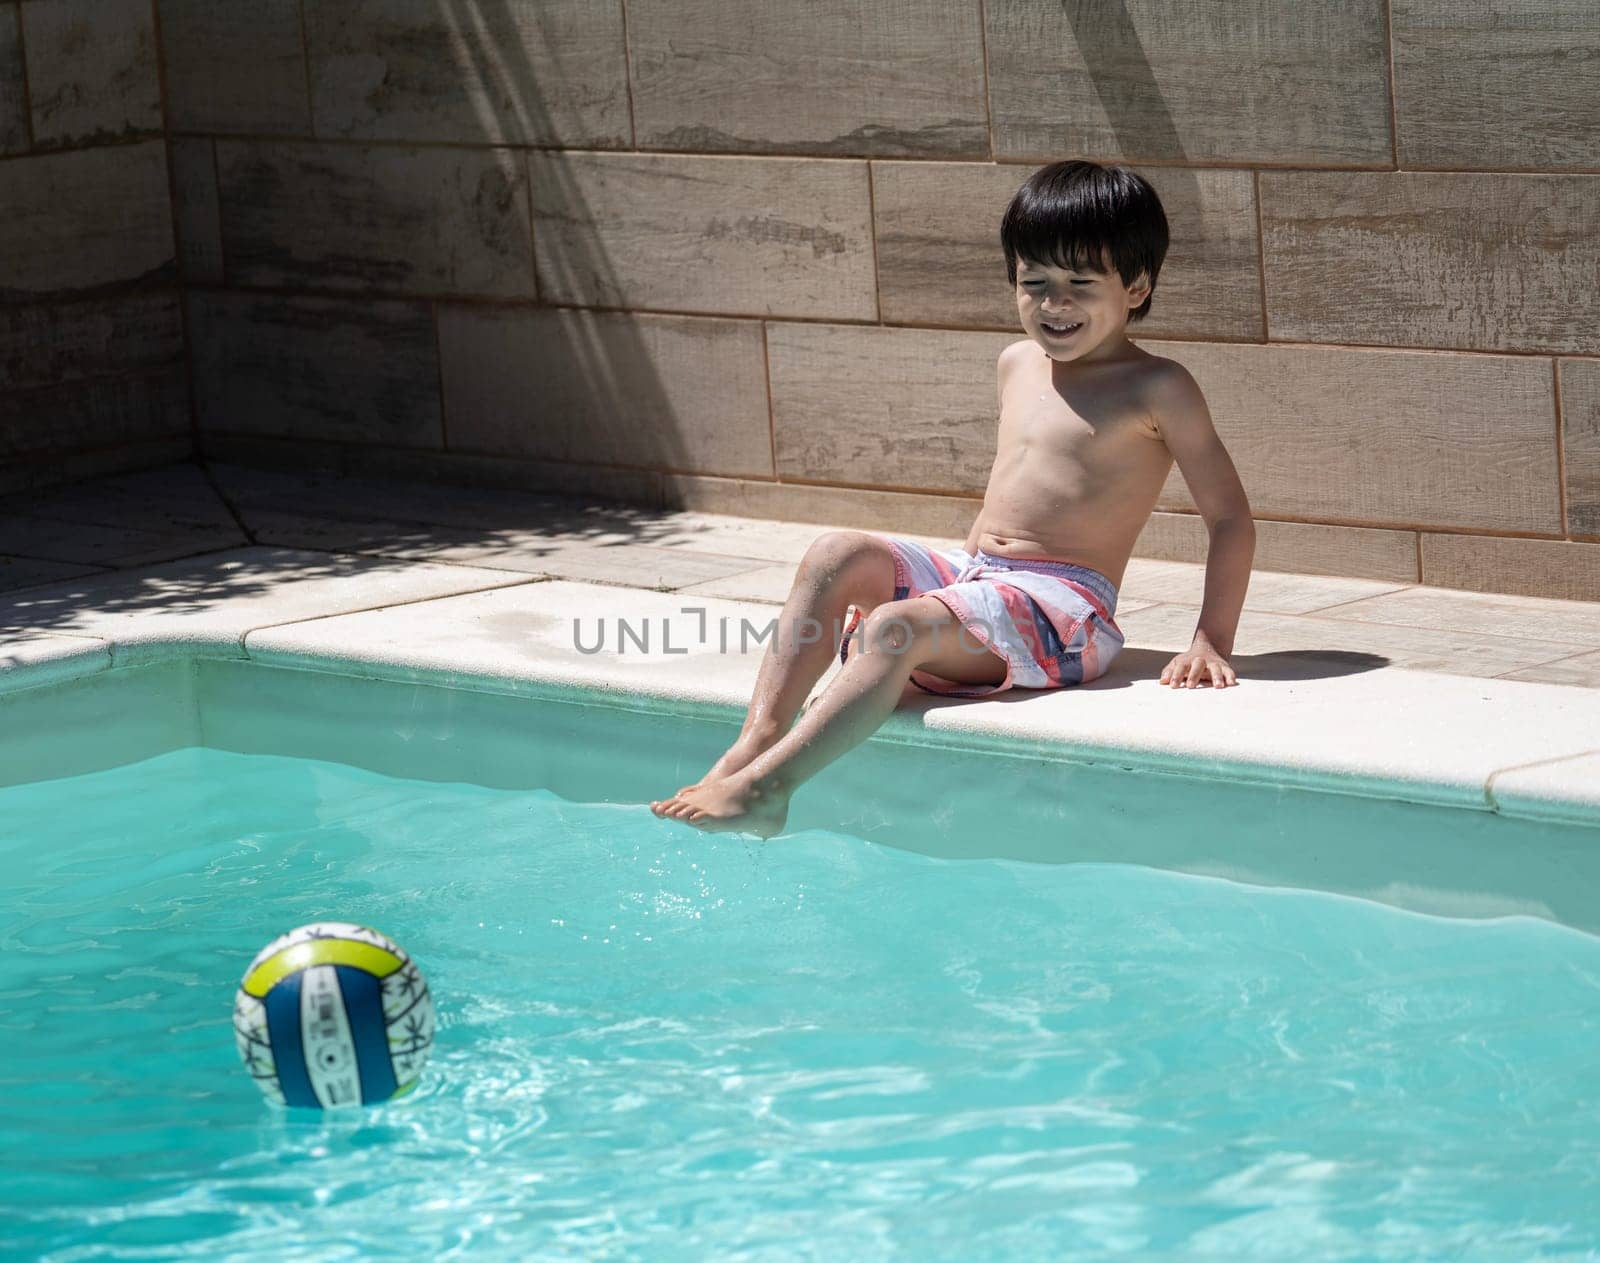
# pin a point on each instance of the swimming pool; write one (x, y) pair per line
(969, 1006)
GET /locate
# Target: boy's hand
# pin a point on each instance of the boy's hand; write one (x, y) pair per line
(1198, 664)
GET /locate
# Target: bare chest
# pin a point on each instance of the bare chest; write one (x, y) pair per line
(1106, 432)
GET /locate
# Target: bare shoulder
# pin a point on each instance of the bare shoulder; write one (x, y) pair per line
(1013, 354)
(1171, 395)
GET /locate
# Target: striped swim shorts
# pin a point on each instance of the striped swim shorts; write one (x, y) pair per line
(1050, 620)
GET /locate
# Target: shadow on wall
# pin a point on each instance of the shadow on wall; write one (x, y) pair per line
(1126, 84)
(591, 387)
(428, 325)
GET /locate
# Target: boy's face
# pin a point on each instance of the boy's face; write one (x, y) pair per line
(1096, 302)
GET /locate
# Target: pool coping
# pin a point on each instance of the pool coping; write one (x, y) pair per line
(1513, 747)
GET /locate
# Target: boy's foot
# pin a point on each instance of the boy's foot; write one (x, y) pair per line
(729, 804)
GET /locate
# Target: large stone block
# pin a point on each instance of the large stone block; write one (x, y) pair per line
(1497, 84)
(1286, 81)
(517, 72)
(862, 78)
(940, 261)
(1580, 436)
(730, 236)
(84, 221)
(1356, 552)
(96, 413)
(1524, 567)
(1486, 262)
(194, 172)
(1381, 438)
(235, 66)
(668, 392)
(331, 369)
(384, 218)
(13, 98)
(47, 344)
(900, 408)
(91, 70)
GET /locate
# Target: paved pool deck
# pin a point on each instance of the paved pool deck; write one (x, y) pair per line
(1477, 700)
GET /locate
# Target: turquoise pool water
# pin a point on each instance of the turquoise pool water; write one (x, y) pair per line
(656, 1043)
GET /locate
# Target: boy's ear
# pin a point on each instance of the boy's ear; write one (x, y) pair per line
(1140, 289)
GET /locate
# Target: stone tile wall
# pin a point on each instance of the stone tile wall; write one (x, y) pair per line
(93, 367)
(745, 257)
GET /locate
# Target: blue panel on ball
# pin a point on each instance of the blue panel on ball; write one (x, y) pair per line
(363, 1004)
(283, 1028)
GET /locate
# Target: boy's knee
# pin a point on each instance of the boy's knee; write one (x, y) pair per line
(899, 626)
(861, 562)
(833, 547)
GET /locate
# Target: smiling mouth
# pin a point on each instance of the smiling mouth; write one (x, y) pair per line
(1059, 330)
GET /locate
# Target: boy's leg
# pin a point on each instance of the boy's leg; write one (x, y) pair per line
(840, 569)
(901, 636)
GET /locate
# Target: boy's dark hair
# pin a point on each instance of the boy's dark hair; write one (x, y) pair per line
(1075, 214)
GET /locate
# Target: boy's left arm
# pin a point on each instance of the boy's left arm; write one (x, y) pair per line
(1180, 413)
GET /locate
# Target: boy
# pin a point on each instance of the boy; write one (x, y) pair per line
(1089, 428)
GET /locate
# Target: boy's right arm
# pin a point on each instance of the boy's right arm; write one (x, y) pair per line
(1002, 366)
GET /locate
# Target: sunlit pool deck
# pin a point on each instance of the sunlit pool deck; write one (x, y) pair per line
(1382, 688)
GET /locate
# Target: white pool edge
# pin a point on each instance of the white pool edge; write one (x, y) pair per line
(1560, 783)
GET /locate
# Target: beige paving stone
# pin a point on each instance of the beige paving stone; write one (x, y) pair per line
(106, 412)
(1581, 670)
(63, 467)
(1434, 259)
(206, 605)
(1524, 567)
(1269, 591)
(618, 559)
(85, 219)
(940, 261)
(1253, 81)
(31, 661)
(1580, 438)
(49, 344)
(1457, 649)
(1497, 86)
(722, 235)
(1379, 437)
(1355, 552)
(194, 173)
(96, 544)
(414, 540)
(905, 78)
(385, 218)
(27, 572)
(235, 66)
(1493, 617)
(320, 368)
(552, 73)
(381, 502)
(174, 499)
(782, 542)
(913, 407)
(769, 585)
(673, 392)
(91, 70)
(13, 102)
(632, 565)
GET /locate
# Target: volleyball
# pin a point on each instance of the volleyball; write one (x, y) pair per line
(333, 1015)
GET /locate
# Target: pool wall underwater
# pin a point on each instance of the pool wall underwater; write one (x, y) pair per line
(950, 795)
